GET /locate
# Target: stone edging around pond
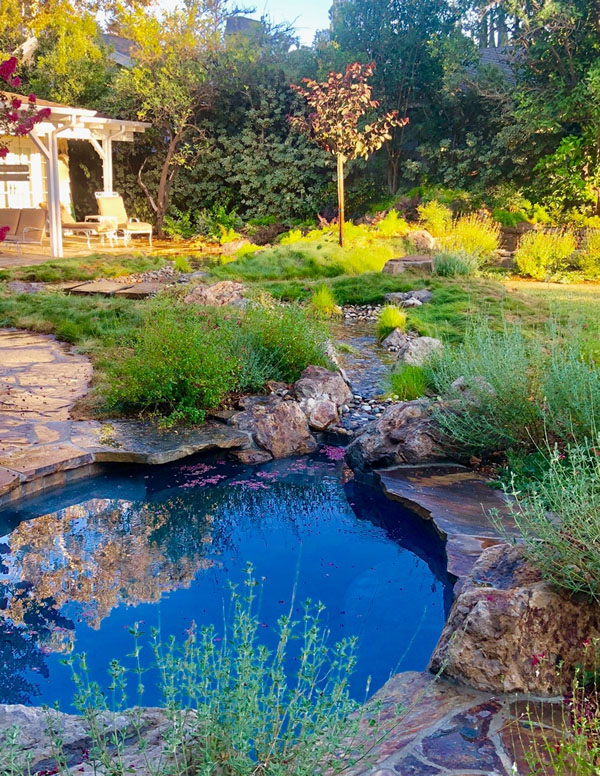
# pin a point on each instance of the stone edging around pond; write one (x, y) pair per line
(41, 446)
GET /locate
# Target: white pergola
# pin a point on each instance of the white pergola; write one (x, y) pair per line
(76, 124)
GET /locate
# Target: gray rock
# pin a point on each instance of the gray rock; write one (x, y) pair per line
(321, 394)
(471, 390)
(225, 292)
(277, 425)
(508, 630)
(415, 261)
(130, 727)
(405, 432)
(400, 298)
(143, 441)
(422, 240)
(417, 352)
(397, 340)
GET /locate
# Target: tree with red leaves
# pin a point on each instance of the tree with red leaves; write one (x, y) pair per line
(337, 106)
(16, 117)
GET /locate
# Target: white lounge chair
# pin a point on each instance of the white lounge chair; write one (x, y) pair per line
(26, 226)
(110, 205)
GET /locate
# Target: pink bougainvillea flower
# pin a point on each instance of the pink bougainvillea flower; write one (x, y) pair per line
(536, 659)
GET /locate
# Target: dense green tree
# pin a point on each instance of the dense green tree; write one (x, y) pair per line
(405, 39)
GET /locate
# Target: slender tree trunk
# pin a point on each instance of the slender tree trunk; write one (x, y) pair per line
(341, 196)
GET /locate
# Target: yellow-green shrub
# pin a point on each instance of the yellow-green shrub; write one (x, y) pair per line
(390, 318)
(474, 235)
(323, 302)
(589, 259)
(542, 254)
(393, 225)
(434, 217)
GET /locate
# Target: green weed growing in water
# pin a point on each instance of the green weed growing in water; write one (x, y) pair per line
(390, 318)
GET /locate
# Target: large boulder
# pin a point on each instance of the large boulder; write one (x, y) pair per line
(277, 425)
(509, 631)
(320, 394)
(418, 351)
(222, 293)
(406, 432)
(422, 241)
(414, 261)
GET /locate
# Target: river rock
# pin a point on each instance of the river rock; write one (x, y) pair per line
(508, 629)
(320, 394)
(405, 432)
(276, 425)
(233, 246)
(422, 240)
(418, 351)
(396, 340)
(221, 293)
(400, 298)
(471, 389)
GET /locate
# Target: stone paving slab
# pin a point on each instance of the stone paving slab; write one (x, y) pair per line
(432, 726)
(458, 501)
(8, 481)
(140, 290)
(136, 441)
(34, 462)
(101, 287)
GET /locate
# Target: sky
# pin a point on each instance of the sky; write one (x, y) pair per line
(307, 16)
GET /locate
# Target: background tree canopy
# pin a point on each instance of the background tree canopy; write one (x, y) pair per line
(501, 96)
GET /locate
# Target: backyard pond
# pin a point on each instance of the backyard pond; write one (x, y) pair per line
(159, 545)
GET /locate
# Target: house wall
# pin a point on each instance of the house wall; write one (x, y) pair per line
(33, 192)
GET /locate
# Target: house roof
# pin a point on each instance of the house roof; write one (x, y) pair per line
(500, 57)
(122, 48)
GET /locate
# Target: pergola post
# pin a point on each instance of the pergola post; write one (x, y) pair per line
(107, 166)
(51, 153)
(56, 243)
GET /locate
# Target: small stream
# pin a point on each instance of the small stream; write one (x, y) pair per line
(367, 365)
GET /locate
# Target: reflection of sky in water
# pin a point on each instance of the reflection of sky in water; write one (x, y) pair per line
(79, 566)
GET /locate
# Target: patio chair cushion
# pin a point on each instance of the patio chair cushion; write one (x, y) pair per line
(111, 205)
(10, 217)
(32, 224)
(68, 222)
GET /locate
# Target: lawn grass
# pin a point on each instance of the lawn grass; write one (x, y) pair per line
(84, 268)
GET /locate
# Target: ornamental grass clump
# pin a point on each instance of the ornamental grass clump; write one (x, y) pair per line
(435, 217)
(408, 382)
(541, 255)
(455, 264)
(473, 235)
(559, 520)
(323, 302)
(390, 318)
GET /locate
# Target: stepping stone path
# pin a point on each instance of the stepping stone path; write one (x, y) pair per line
(114, 288)
(443, 729)
(41, 446)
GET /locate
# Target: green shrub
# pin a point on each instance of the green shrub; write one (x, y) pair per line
(501, 370)
(450, 265)
(473, 235)
(408, 382)
(180, 224)
(559, 520)
(323, 302)
(247, 249)
(177, 363)
(509, 217)
(184, 360)
(434, 217)
(589, 258)
(390, 318)
(540, 255)
(211, 222)
(182, 264)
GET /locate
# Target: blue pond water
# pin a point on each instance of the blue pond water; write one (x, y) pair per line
(80, 565)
